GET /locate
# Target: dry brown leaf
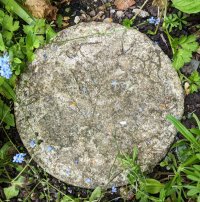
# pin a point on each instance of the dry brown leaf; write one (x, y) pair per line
(124, 4)
(41, 9)
(160, 3)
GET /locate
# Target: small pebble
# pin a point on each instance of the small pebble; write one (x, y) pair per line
(76, 19)
(141, 13)
(108, 20)
(120, 14)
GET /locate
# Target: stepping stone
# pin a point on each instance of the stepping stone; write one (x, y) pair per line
(95, 91)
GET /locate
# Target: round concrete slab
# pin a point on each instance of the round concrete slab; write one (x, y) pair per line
(97, 90)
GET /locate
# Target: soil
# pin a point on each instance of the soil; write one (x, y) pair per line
(87, 8)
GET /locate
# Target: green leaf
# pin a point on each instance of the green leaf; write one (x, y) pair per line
(7, 91)
(187, 6)
(183, 130)
(193, 178)
(152, 186)
(127, 22)
(18, 10)
(20, 181)
(96, 194)
(5, 114)
(11, 192)
(193, 191)
(183, 50)
(17, 60)
(67, 198)
(50, 33)
(4, 150)
(2, 46)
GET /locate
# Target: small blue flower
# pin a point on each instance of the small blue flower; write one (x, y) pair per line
(19, 158)
(154, 21)
(88, 180)
(76, 161)
(157, 21)
(151, 20)
(68, 172)
(5, 69)
(50, 148)
(69, 190)
(114, 189)
(114, 83)
(32, 144)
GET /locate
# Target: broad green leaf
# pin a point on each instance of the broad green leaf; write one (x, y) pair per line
(7, 91)
(4, 150)
(96, 194)
(5, 114)
(11, 192)
(152, 186)
(20, 181)
(17, 60)
(187, 6)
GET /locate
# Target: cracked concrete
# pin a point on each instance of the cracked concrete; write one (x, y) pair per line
(97, 90)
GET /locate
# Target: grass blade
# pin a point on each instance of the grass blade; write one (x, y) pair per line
(17, 9)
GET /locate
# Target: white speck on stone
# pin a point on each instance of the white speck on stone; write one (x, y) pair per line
(123, 123)
(77, 19)
(112, 11)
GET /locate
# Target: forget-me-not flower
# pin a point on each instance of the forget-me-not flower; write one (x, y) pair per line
(32, 144)
(19, 158)
(151, 20)
(5, 69)
(114, 189)
(50, 148)
(154, 21)
(88, 180)
(157, 22)
(68, 172)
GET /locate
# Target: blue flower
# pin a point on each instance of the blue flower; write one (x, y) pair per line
(50, 148)
(88, 180)
(69, 190)
(157, 21)
(5, 70)
(114, 189)
(68, 172)
(19, 158)
(152, 20)
(76, 161)
(114, 83)
(32, 143)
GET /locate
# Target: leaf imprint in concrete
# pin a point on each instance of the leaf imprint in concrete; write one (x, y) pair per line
(97, 90)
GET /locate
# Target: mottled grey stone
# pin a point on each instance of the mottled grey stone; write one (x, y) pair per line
(98, 89)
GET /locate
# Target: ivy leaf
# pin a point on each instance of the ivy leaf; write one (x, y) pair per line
(187, 6)
(11, 192)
